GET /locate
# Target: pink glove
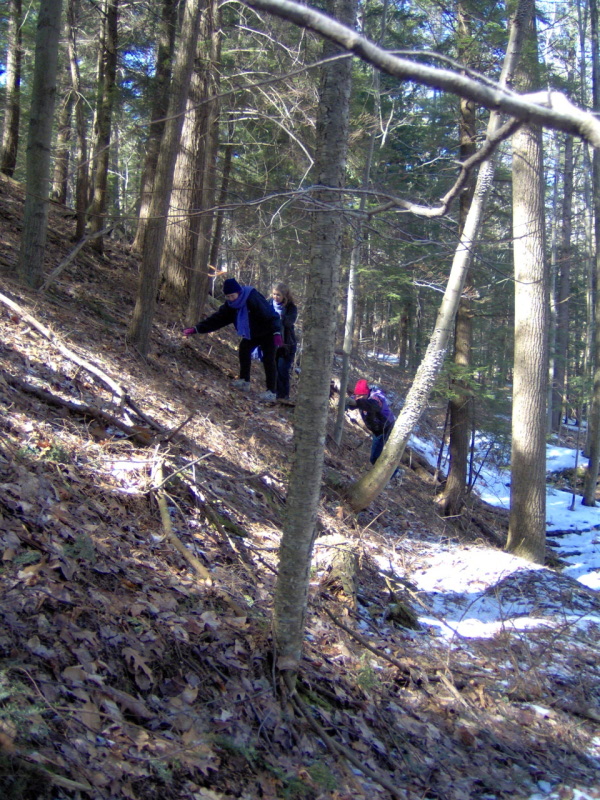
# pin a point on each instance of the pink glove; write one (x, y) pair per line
(278, 341)
(189, 331)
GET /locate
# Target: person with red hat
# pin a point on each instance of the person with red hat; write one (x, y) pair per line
(375, 412)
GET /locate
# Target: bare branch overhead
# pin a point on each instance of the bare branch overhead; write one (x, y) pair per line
(547, 108)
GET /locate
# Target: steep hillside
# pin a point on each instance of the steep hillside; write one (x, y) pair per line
(141, 506)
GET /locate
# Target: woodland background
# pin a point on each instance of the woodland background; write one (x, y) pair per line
(94, 102)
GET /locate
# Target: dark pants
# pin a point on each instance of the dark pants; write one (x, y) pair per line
(267, 346)
(377, 445)
(284, 368)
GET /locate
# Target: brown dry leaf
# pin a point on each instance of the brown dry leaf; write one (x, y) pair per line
(143, 674)
(6, 743)
(74, 674)
(90, 716)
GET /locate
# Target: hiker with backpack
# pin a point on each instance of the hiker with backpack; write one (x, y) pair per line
(257, 323)
(376, 414)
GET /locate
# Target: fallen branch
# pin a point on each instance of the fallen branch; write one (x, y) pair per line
(168, 528)
(101, 376)
(66, 261)
(404, 668)
(341, 749)
(139, 435)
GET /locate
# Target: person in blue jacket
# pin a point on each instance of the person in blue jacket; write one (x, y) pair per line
(256, 322)
(283, 303)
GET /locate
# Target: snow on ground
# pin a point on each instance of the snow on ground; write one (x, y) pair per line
(476, 592)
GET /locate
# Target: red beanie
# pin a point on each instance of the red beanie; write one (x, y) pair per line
(362, 387)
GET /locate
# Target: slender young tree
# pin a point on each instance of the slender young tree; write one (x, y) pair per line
(312, 405)
(527, 519)
(564, 289)
(594, 416)
(12, 113)
(81, 173)
(60, 180)
(104, 115)
(43, 96)
(461, 402)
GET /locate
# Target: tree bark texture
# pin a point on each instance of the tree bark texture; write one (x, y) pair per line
(12, 108)
(461, 401)
(594, 417)
(160, 104)
(527, 519)
(106, 98)
(143, 313)
(81, 180)
(35, 215)
(63, 141)
(312, 406)
(564, 290)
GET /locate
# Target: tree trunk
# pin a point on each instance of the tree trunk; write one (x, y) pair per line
(594, 416)
(160, 104)
(564, 290)
(35, 215)
(60, 180)
(460, 405)
(143, 313)
(313, 391)
(187, 242)
(12, 112)
(81, 180)
(106, 98)
(527, 519)
(213, 258)
(372, 483)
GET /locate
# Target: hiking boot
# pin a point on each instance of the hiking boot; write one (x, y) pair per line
(267, 397)
(396, 478)
(240, 383)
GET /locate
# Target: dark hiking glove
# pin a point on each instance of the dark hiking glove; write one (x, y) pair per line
(277, 340)
(189, 331)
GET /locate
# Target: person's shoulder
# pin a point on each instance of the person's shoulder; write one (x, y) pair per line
(256, 295)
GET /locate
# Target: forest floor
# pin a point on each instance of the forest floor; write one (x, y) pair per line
(139, 529)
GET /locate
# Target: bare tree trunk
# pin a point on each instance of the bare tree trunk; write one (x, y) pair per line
(527, 519)
(372, 483)
(97, 211)
(63, 142)
(12, 113)
(564, 290)
(460, 405)
(81, 180)
(552, 273)
(594, 416)
(313, 391)
(35, 215)
(160, 104)
(187, 242)
(145, 306)
(213, 258)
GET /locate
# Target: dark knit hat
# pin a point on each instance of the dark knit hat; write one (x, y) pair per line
(362, 387)
(231, 286)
